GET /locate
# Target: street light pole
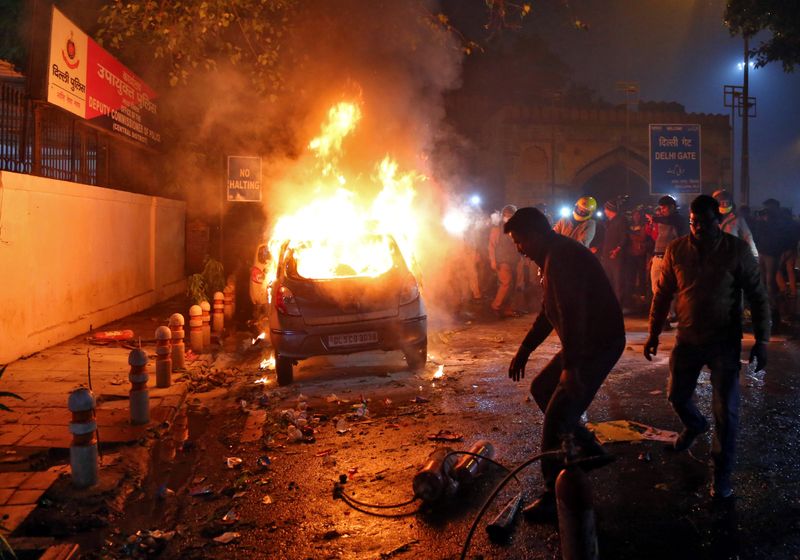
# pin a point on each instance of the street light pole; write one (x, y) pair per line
(745, 180)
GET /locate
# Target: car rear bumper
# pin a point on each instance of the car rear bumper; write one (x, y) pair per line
(392, 334)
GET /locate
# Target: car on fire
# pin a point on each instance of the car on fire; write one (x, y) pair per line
(331, 297)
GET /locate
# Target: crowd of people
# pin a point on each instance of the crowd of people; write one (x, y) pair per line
(630, 244)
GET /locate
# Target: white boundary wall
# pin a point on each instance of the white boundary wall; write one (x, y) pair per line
(73, 255)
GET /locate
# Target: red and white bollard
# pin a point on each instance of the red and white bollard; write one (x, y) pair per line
(232, 286)
(206, 308)
(163, 357)
(196, 329)
(227, 295)
(83, 449)
(218, 318)
(178, 347)
(139, 395)
(576, 523)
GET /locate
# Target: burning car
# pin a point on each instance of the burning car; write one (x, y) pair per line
(338, 296)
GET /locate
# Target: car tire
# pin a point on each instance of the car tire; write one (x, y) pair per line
(417, 355)
(285, 370)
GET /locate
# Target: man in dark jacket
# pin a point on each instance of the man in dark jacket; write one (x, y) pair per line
(708, 269)
(613, 253)
(580, 305)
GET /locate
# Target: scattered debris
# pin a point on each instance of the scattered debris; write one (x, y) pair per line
(230, 518)
(267, 499)
(628, 430)
(341, 426)
(264, 462)
(201, 491)
(323, 453)
(656, 392)
(420, 400)
(399, 550)
(661, 486)
(254, 426)
(233, 462)
(332, 398)
(293, 435)
(446, 435)
(645, 457)
(226, 538)
(439, 372)
(163, 492)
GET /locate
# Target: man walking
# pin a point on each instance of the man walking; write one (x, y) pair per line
(613, 253)
(670, 226)
(708, 269)
(580, 305)
(504, 260)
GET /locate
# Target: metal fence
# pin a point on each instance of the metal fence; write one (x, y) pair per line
(39, 139)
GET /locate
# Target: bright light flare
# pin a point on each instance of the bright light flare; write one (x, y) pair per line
(751, 64)
(455, 222)
(475, 200)
(564, 212)
(439, 372)
(599, 214)
(262, 381)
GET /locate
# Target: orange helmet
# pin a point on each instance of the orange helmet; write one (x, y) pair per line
(725, 201)
(584, 208)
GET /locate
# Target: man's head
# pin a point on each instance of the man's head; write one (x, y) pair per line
(530, 231)
(667, 205)
(508, 211)
(704, 218)
(725, 201)
(771, 204)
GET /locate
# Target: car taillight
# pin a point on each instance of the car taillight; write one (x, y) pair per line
(257, 275)
(284, 301)
(409, 291)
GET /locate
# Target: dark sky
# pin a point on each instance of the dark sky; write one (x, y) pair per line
(681, 51)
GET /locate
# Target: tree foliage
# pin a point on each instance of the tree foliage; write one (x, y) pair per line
(12, 47)
(780, 17)
(193, 36)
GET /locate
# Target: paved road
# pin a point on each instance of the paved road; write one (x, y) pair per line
(651, 503)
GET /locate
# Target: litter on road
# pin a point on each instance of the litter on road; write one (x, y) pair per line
(628, 430)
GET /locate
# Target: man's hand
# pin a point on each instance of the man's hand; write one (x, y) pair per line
(571, 381)
(516, 370)
(758, 354)
(651, 347)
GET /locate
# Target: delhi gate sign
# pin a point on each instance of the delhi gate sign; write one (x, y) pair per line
(86, 80)
(675, 159)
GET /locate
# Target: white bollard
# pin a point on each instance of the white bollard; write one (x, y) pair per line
(163, 358)
(196, 329)
(178, 347)
(206, 308)
(83, 449)
(218, 318)
(139, 395)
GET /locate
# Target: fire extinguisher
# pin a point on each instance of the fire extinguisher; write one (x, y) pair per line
(576, 522)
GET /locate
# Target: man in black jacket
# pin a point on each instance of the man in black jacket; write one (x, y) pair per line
(613, 253)
(708, 269)
(580, 305)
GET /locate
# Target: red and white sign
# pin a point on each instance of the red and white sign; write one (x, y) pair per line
(86, 80)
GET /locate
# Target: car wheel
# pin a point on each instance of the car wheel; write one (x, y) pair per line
(284, 369)
(417, 355)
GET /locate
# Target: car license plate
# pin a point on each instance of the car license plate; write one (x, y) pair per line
(353, 339)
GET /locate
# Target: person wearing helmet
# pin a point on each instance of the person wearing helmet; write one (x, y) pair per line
(731, 222)
(670, 226)
(504, 259)
(581, 225)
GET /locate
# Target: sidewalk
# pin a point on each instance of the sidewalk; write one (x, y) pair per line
(35, 434)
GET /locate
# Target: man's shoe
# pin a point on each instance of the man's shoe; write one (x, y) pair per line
(686, 438)
(721, 488)
(543, 509)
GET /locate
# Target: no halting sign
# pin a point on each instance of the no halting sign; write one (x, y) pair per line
(244, 179)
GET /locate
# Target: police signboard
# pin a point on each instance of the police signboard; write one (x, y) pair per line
(675, 159)
(244, 179)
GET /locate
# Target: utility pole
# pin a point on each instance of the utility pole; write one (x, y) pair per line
(631, 90)
(745, 180)
(732, 97)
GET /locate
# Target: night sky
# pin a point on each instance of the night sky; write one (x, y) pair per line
(680, 51)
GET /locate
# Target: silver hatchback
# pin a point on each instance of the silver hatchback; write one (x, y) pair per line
(347, 308)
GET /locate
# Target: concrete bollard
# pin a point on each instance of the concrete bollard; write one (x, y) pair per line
(206, 308)
(232, 286)
(227, 294)
(196, 329)
(83, 449)
(178, 347)
(139, 395)
(163, 357)
(218, 318)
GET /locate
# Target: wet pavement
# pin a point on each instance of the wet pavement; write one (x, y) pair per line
(369, 422)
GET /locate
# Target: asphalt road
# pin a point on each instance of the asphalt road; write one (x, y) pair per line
(650, 503)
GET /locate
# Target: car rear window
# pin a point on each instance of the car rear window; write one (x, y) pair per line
(368, 256)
